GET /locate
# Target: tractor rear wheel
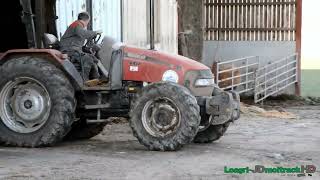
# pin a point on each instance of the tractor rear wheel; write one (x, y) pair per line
(37, 103)
(165, 116)
(81, 130)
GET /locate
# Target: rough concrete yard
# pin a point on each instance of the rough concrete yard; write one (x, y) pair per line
(116, 154)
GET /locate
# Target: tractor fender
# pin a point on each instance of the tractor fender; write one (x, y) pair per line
(55, 57)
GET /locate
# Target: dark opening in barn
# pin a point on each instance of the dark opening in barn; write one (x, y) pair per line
(13, 30)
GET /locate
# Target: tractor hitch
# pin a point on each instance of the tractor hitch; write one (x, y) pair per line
(222, 106)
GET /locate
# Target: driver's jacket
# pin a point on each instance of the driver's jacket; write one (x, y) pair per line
(74, 37)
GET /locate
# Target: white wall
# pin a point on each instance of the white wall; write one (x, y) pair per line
(310, 34)
(107, 17)
(168, 26)
(135, 25)
(67, 12)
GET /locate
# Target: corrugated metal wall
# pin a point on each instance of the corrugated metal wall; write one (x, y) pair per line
(107, 17)
(67, 12)
(168, 26)
(135, 24)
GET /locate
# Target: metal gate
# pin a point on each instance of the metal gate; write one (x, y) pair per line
(246, 75)
(275, 77)
(238, 74)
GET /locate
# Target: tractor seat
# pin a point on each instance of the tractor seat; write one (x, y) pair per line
(50, 41)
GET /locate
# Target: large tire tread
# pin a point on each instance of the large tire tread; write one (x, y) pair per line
(62, 96)
(213, 133)
(191, 122)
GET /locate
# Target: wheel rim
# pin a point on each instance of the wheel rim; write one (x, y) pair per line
(25, 105)
(161, 117)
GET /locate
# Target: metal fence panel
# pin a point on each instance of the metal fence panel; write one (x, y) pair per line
(246, 75)
(238, 74)
(275, 77)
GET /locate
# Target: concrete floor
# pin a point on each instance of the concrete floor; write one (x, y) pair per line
(116, 154)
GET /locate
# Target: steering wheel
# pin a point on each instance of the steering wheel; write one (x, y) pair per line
(93, 40)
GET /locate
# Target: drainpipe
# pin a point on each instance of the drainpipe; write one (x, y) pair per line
(121, 19)
(40, 24)
(152, 46)
(89, 10)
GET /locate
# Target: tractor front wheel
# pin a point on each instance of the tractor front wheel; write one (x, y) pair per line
(165, 116)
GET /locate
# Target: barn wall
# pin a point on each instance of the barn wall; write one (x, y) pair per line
(168, 26)
(135, 21)
(136, 24)
(219, 51)
(107, 17)
(67, 12)
(239, 28)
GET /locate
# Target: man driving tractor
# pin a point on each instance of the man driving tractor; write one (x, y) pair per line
(72, 44)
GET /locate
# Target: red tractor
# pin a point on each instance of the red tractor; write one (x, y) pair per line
(170, 100)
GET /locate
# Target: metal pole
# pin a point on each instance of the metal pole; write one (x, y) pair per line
(247, 72)
(298, 44)
(217, 73)
(40, 18)
(28, 19)
(89, 10)
(232, 80)
(152, 47)
(121, 18)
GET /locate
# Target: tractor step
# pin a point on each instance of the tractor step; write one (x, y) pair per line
(92, 83)
(96, 88)
(99, 106)
(98, 121)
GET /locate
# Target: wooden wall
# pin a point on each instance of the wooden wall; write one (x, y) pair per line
(250, 20)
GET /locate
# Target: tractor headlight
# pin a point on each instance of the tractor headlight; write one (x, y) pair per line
(170, 76)
(204, 82)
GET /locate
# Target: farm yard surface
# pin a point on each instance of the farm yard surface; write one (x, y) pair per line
(292, 140)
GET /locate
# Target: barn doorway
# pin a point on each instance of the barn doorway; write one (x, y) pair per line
(13, 30)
